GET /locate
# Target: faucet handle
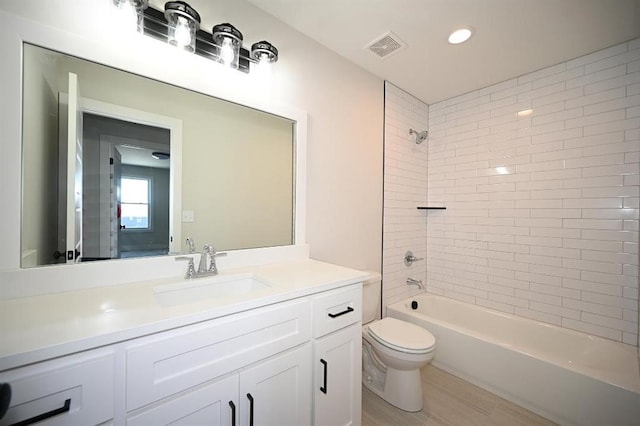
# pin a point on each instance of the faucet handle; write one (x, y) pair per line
(214, 253)
(409, 258)
(191, 268)
(212, 259)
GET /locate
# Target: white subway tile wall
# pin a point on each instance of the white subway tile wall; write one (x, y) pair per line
(539, 175)
(405, 188)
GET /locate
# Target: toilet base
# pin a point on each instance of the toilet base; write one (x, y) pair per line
(400, 388)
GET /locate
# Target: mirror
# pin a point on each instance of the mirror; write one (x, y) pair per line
(224, 173)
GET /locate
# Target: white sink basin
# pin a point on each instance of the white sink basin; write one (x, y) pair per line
(198, 289)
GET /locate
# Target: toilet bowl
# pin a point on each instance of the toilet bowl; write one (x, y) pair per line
(393, 353)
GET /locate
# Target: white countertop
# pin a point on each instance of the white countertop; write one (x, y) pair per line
(41, 327)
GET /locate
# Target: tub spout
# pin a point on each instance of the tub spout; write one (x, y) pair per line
(411, 281)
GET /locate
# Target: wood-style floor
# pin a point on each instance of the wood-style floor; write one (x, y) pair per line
(449, 401)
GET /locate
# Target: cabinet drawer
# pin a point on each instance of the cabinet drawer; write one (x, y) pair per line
(163, 365)
(74, 390)
(337, 309)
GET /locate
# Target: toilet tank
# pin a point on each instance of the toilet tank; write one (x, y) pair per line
(371, 292)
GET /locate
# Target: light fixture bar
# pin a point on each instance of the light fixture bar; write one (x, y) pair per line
(155, 25)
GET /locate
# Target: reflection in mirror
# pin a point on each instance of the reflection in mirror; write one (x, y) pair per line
(158, 162)
(120, 169)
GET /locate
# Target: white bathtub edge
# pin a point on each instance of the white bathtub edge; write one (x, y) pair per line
(554, 392)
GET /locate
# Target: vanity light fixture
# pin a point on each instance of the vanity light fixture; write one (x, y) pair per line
(460, 36)
(183, 21)
(229, 39)
(179, 25)
(129, 14)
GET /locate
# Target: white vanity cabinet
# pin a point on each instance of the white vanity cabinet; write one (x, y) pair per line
(73, 390)
(273, 392)
(338, 357)
(291, 363)
(265, 352)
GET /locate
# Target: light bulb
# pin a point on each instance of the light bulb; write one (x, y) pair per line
(126, 16)
(227, 53)
(262, 68)
(263, 59)
(182, 34)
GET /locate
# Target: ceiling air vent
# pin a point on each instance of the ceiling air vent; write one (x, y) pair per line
(386, 45)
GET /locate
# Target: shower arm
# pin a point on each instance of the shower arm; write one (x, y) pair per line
(420, 136)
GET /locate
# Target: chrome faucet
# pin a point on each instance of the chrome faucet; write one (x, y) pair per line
(207, 265)
(411, 281)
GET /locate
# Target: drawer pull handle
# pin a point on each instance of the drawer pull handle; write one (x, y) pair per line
(250, 409)
(346, 311)
(233, 413)
(323, 388)
(44, 416)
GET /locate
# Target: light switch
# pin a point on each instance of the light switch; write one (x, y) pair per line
(188, 216)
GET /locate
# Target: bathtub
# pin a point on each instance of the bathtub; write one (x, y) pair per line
(566, 376)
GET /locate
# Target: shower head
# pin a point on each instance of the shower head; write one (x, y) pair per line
(420, 136)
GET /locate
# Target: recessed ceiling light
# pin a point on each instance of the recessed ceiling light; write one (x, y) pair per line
(524, 112)
(460, 36)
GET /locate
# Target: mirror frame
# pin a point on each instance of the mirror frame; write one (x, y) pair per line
(139, 55)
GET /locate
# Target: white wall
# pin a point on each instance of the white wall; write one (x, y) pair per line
(405, 188)
(344, 105)
(556, 237)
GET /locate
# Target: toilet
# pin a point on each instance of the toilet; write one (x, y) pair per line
(393, 351)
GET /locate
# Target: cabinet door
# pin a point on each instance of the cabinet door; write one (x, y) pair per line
(278, 391)
(337, 388)
(211, 405)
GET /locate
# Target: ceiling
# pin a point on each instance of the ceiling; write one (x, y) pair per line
(511, 37)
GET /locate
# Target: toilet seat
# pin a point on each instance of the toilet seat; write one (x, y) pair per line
(402, 336)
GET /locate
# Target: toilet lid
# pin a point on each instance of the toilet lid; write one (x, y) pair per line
(402, 335)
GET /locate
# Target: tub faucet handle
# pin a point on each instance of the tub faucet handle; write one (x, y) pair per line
(409, 258)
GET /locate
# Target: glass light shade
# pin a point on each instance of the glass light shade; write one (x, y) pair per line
(183, 22)
(229, 41)
(264, 52)
(129, 14)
